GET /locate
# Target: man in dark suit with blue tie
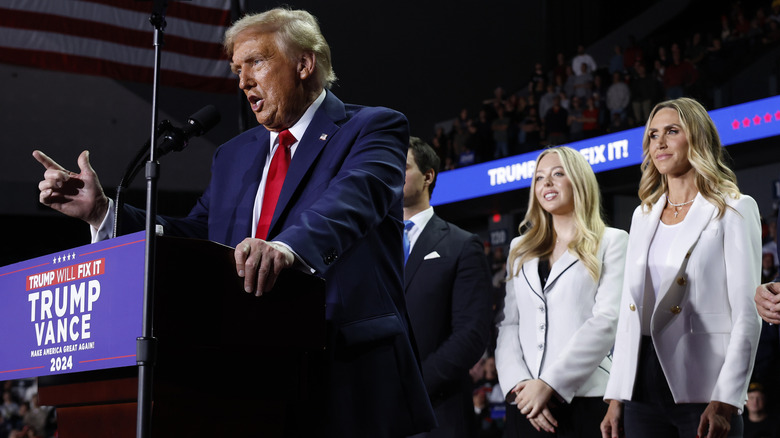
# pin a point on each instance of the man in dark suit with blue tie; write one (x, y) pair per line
(448, 294)
(768, 294)
(317, 187)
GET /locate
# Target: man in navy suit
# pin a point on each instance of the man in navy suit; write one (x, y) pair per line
(448, 294)
(768, 294)
(338, 215)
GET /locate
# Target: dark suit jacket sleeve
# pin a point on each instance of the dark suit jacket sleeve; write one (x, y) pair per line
(471, 318)
(359, 197)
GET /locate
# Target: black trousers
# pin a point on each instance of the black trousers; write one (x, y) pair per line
(652, 411)
(579, 419)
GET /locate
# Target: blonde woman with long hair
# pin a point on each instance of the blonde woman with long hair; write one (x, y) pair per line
(561, 306)
(688, 328)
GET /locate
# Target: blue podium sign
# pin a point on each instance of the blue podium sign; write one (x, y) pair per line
(72, 311)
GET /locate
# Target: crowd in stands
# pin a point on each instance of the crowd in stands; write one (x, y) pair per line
(20, 414)
(579, 97)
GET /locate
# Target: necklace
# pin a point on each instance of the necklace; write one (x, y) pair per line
(677, 207)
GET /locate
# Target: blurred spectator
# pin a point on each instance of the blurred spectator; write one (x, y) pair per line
(696, 50)
(570, 82)
(5, 427)
(758, 422)
(583, 58)
(9, 407)
(741, 26)
(546, 101)
(631, 54)
(530, 130)
(662, 56)
(600, 99)
(644, 92)
(576, 120)
(680, 73)
(560, 66)
(583, 83)
(714, 63)
(770, 240)
(775, 14)
(495, 102)
(772, 34)
(659, 71)
(616, 61)
(500, 128)
(460, 136)
(618, 97)
(726, 34)
(555, 123)
(618, 124)
(590, 119)
(538, 76)
(481, 139)
(487, 426)
(441, 144)
(463, 119)
(768, 267)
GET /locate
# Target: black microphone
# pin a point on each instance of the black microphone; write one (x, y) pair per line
(175, 139)
(198, 124)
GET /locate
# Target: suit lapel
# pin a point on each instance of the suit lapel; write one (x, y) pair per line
(319, 132)
(699, 215)
(530, 273)
(645, 230)
(435, 230)
(564, 262)
(252, 169)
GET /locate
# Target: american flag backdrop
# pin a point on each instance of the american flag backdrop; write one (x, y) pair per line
(113, 38)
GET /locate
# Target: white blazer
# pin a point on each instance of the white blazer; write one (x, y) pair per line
(704, 324)
(562, 333)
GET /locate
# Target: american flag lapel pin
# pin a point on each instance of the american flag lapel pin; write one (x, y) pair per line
(323, 137)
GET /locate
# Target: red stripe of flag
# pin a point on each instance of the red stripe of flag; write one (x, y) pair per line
(100, 67)
(185, 9)
(106, 32)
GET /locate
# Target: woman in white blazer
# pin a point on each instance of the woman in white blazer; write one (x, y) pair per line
(688, 328)
(561, 305)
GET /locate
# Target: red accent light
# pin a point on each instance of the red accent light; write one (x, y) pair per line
(777, 115)
(496, 218)
(735, 124)
(757, 120)
(767, 117)
(746, 122)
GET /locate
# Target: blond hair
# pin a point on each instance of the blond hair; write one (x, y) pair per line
(713, 179)
(539, 238)
(296, 31)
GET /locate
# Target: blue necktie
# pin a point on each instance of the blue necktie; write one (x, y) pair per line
(407, 226)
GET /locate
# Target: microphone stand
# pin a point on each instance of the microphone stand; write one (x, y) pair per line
(141, 157)
(146, 345)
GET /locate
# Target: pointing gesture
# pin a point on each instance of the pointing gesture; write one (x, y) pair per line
(78, 195)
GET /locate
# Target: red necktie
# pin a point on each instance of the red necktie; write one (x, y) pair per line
(273, 182)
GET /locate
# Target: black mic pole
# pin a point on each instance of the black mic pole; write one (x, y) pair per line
(146, 345)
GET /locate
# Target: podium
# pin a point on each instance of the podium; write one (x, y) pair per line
(228, 363)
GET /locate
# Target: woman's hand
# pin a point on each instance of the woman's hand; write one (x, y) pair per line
(533, 397)
(716, 420)
(612, 424)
